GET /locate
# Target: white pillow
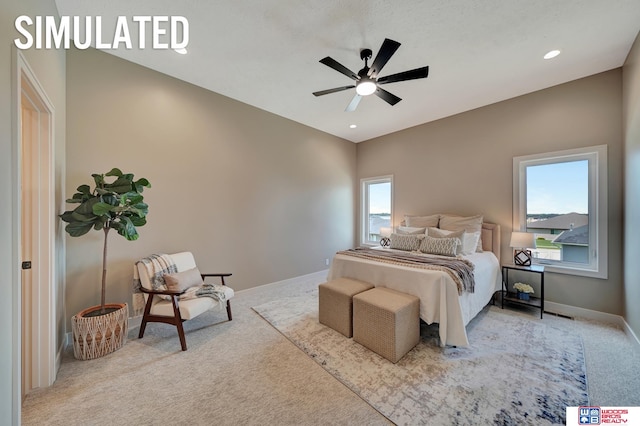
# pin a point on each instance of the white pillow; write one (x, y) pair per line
(406, 242)
(459, 223)
(410, 230)
(422, 221)
(441, 246)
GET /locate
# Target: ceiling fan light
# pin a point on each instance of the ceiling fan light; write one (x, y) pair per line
(366, 87)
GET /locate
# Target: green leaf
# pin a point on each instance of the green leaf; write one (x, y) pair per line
(138, 221)
(127, 229)
(86, 208)
(77, 229)
(114, 172)
(133, 198)
(79, 217)
(66, 216)
(98, 179)
(84, 190)
(120, 186)
(101, 209)
(141, 183)
(100, 223)
(111, 199)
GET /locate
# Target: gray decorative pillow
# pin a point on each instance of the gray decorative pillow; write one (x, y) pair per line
(441, 246)
(183, 280)
(443, 233)
(406, 242)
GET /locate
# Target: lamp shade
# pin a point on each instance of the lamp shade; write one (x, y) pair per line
(522, 240)
(385, 231)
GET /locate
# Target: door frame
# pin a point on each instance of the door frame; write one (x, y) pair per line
(44, 359)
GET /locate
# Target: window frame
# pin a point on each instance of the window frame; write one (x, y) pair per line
(364, 205)
(597, 266)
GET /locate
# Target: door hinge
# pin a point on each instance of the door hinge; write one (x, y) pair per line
(26, 264)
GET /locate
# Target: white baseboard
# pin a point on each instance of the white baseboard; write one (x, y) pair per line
(576, 312)
(319, 277)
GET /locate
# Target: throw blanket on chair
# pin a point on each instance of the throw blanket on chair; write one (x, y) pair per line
(460, 270)
(157, 265)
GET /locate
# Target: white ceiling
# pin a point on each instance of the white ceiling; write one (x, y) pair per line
(265, 52)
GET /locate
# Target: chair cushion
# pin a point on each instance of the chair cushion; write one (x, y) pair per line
(189, 308)
(183, 280)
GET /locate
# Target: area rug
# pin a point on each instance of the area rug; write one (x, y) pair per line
(516, 371)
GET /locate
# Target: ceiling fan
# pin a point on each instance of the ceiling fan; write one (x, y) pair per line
(367, 81)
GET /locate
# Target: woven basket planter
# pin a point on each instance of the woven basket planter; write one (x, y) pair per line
(96, 336)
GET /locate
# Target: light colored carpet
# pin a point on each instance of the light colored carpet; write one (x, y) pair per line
(246, 372)
(516, 371)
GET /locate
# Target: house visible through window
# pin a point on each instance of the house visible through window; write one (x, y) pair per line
(561, 198)
(376, 212)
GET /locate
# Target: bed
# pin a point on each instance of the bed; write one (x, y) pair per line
(440, 299)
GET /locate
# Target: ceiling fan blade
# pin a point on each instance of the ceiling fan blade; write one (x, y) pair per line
(332, 63)
(354, 103)
(387, 50)
(337, 89)
(390, 98)
(406, 75)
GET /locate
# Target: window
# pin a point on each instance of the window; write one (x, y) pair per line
(376, 195)
(561, 198)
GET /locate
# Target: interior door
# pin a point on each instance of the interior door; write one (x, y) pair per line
(29, 127)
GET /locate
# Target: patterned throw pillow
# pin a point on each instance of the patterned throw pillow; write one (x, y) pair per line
(183, 280)
(441, 246)
(442, 233)
(406, 242)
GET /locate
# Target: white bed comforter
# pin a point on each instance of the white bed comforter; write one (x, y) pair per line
(438, 293)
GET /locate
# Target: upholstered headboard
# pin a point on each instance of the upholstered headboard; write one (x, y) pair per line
(491, 238)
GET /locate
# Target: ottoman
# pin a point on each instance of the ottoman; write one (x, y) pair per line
(386, 321)
(335, 308)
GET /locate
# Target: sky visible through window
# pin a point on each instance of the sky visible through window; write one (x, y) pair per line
(558, 188)
(380, 198)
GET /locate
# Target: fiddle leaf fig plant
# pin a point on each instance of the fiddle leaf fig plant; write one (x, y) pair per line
(115, 202)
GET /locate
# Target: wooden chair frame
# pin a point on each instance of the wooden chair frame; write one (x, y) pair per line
(176, 319)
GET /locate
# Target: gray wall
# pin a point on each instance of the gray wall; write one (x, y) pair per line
(49, 67)
(463, 164)
(631, 128)
(246, 191)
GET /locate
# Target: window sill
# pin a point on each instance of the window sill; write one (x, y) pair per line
(570, 270)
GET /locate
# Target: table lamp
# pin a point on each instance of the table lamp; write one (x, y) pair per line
(385, 233)
(521, 241)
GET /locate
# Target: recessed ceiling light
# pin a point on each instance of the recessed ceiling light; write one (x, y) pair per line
(552, 54)
(352, 126)
(181, 51)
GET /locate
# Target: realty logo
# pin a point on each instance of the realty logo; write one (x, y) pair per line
(589, 415)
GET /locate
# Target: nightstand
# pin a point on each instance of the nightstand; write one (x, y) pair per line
(511, 296)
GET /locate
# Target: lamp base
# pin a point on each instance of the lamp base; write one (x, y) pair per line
(385, 241)
(522, 257)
